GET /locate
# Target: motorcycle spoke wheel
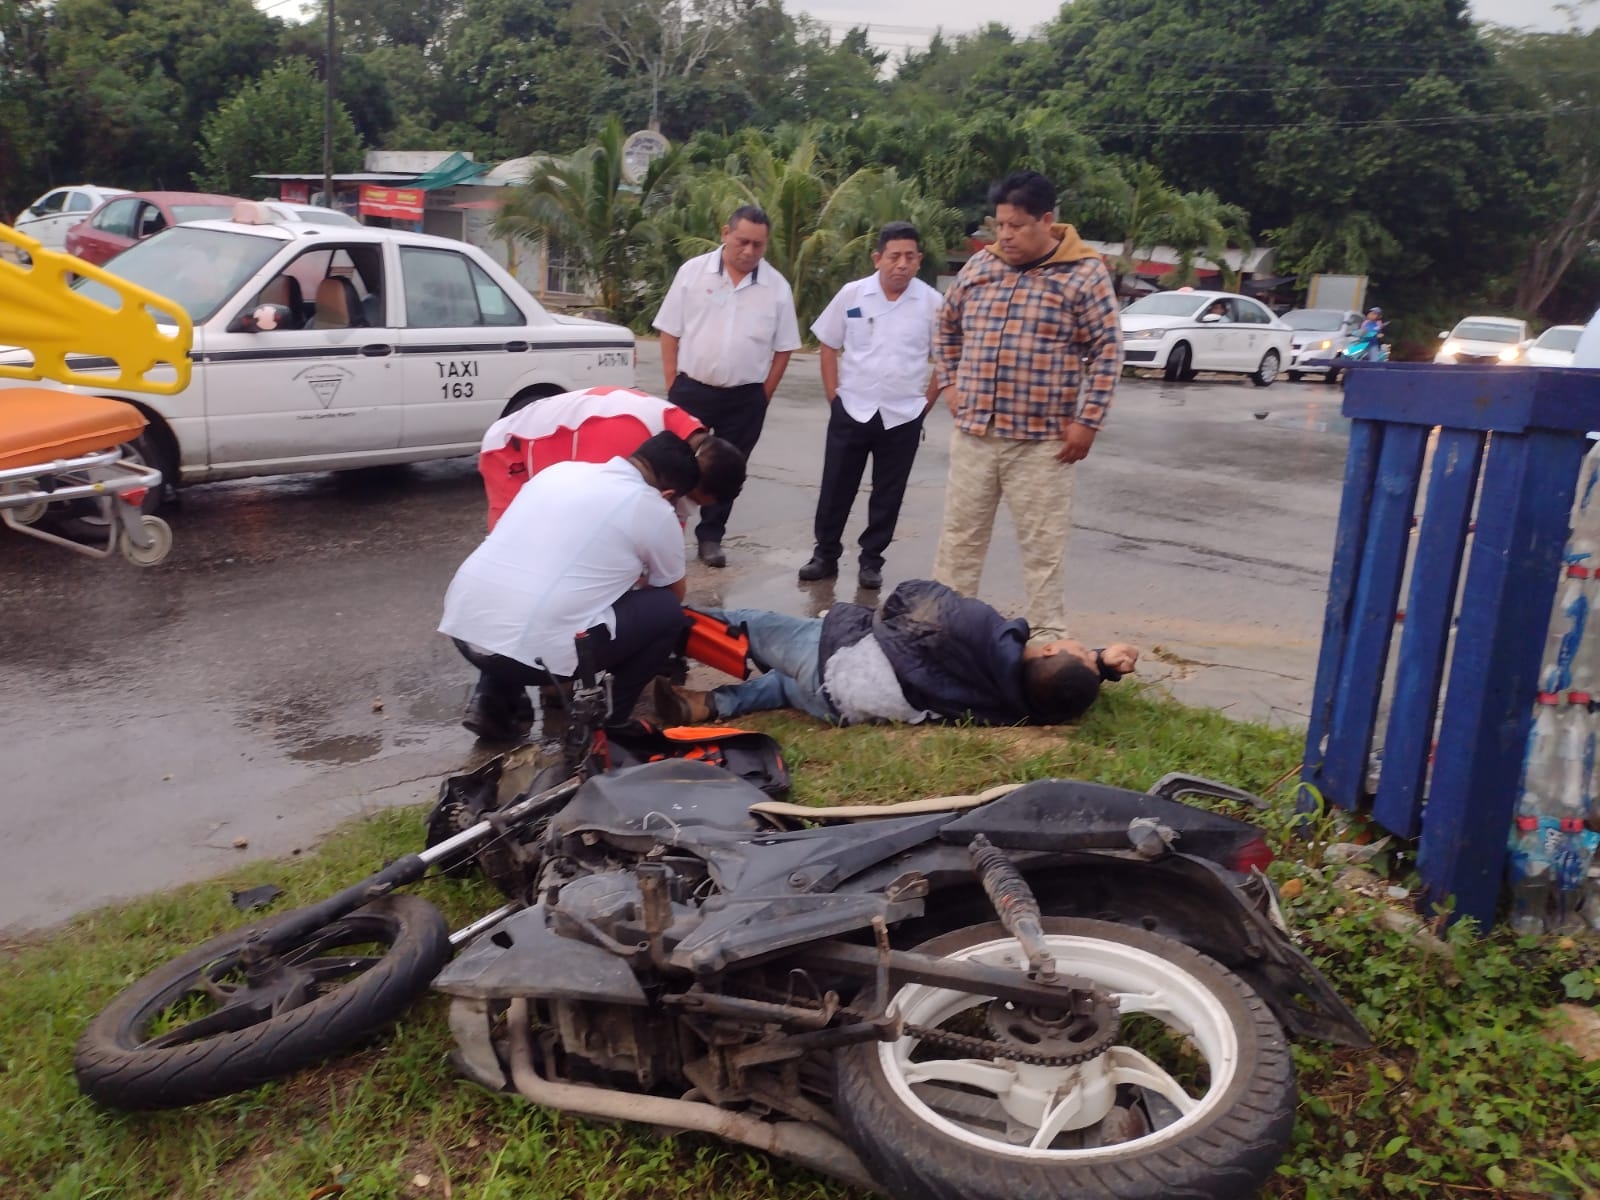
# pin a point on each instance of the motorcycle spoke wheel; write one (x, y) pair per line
(1197, 1082)
(201, 1027)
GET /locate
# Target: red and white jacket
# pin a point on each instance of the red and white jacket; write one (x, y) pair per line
(589, 425)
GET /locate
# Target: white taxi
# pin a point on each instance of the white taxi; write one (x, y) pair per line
(1184, 332)
(321, 347)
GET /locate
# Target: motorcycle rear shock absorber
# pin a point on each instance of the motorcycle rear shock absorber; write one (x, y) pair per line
(1014, 902)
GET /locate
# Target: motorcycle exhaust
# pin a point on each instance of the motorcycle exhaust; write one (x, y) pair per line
(807, 1145)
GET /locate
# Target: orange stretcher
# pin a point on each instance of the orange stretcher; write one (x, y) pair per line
(57, 447)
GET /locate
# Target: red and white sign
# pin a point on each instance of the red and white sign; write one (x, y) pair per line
(402, 204)
(294, 193)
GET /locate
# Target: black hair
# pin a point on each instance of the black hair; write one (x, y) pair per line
(752, 213)
(898, 231)
(674, 465)
(721, 469)
(1058, 688)
(1027, 190)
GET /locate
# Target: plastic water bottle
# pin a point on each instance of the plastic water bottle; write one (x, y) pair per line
(1530, 872)
(1540, 777)
(1568, 621)
(1574, 853)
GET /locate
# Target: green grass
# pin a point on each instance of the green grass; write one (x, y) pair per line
(1464, 1095)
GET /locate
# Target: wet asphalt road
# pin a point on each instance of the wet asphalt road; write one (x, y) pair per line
(281, 674)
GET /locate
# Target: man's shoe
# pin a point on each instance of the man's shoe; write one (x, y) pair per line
(819, 568)
(711, 554)
(870, 578)
(681, 706)
(490, 724)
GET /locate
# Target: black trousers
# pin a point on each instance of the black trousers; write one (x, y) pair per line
(650, 622)
(849, 444)
(735, 413)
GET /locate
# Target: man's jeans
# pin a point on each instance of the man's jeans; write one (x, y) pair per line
(787, 647)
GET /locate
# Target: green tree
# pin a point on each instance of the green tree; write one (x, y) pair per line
(585, 204)
(1560, 72)
(25, 124)
(273, 124)
(1313, 111)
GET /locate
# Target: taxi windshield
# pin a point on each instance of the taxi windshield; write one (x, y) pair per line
(197, 269)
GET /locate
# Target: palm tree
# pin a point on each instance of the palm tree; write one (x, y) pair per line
(1201, 223)
(585, 204)
(1145, 207)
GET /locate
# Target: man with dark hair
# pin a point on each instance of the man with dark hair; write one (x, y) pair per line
(1029, 352)
(596, 425)
(877, 338)
(926, 653)
(582, 547)
(727, 327)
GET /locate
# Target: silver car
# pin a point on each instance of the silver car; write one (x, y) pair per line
(1319, 335)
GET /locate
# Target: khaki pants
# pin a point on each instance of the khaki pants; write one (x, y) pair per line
(1038, 494)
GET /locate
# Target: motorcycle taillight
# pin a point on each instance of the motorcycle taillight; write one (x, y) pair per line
(1254, 853)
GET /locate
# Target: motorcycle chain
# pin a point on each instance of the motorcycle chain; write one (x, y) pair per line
(970, 1046)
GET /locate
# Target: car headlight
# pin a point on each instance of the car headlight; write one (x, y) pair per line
(1452, 348)
(1325, 344)
(1511, 354)
(1140, 335)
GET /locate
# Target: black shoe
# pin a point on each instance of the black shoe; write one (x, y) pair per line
(491, 724)
(868, 577)
(819, 568)
(711, 554)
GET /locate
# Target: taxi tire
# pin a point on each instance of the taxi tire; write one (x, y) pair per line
(1178, 368)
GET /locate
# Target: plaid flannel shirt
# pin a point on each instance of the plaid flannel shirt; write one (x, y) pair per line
(1015, 344)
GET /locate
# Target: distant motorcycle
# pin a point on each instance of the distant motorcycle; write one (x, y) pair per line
(1367, 348)
(1055, 989)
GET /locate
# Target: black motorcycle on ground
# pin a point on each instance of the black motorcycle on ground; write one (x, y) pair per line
(1052, 990)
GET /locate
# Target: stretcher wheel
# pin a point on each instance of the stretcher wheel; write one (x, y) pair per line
(147, 556)
(29, 514)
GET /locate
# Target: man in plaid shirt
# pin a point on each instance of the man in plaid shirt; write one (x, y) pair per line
(1028, 351)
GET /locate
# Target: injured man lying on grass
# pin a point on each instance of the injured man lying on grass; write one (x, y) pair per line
(927, 653)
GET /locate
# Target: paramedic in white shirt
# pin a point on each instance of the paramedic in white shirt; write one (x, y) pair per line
(727, 328)
(565, 557)
(877, 338)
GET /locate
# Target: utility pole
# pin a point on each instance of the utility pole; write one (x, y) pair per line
(327, 116)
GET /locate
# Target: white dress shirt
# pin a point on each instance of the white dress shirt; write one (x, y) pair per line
(884, 348)
(577, 536)
(727, 333)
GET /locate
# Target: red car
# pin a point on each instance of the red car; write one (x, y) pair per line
(124, 220)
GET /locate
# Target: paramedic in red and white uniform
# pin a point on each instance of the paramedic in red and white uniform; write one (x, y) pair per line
(596, 425)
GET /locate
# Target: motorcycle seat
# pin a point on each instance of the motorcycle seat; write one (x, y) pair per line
(834, 813)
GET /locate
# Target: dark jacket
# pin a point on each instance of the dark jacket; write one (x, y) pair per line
(954, 656)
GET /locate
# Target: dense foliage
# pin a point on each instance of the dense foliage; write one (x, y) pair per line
(1394, 137)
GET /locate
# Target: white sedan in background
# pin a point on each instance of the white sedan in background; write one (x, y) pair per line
(1184, 332)
(1484, 341)
(1554, 347)
(327, 347)
(49, 217)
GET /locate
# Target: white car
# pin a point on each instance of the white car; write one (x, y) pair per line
(1187, 331)
(388, 347)
(1319, 335)
(1553, 347)
(286, 210)
(1484, 341)
(49, 217)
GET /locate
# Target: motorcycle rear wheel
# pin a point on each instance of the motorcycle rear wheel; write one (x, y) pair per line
(192, 1030)
(932, 1124)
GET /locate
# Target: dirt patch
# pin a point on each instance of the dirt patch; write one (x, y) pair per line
(1577, 1026)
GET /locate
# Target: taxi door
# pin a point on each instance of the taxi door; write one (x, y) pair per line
(464, 345)
(322, 388)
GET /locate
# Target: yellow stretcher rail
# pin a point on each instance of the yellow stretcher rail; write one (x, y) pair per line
(43, 315)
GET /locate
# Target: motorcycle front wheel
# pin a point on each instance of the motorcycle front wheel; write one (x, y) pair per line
(207, 1025)
(1194, 1096)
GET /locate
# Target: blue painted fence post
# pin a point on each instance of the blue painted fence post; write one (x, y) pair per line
(1533, 421)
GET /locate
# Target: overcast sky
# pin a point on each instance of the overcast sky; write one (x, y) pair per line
(898, 24)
